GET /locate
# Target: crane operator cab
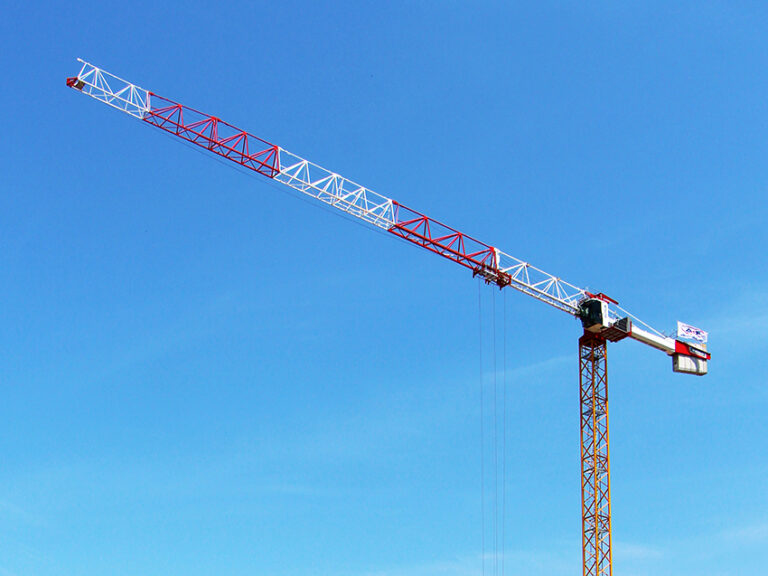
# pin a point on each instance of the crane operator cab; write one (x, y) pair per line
(594, 315)
(596, 318)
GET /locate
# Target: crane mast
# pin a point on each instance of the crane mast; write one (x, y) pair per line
(602, 318)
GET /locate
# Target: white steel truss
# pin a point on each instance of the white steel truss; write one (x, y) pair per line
(112, 90)
(335, 190)
(540, 284)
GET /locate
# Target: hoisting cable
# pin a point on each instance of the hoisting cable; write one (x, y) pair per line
(494, 496)
(495, 442)
(504, 436)
(482, 425)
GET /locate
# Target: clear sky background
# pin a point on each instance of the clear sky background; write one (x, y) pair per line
(202, 374)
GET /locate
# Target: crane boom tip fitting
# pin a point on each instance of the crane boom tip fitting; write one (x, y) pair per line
(75, 82)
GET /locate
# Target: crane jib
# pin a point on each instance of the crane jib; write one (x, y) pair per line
(489, 263)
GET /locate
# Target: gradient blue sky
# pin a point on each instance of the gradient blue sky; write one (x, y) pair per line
(203, 375)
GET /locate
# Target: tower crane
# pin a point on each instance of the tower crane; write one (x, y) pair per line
(602, 319)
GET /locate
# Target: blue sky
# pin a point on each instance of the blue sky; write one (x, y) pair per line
(202, 374)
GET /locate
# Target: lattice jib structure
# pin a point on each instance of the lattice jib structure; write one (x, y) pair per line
(213, 134)
(595, 459)
(452, 244)
(272, 161)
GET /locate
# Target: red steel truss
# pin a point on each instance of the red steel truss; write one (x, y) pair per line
(213, 134)
(452, 244)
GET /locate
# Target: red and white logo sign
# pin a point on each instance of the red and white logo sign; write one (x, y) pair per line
(691, 332)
